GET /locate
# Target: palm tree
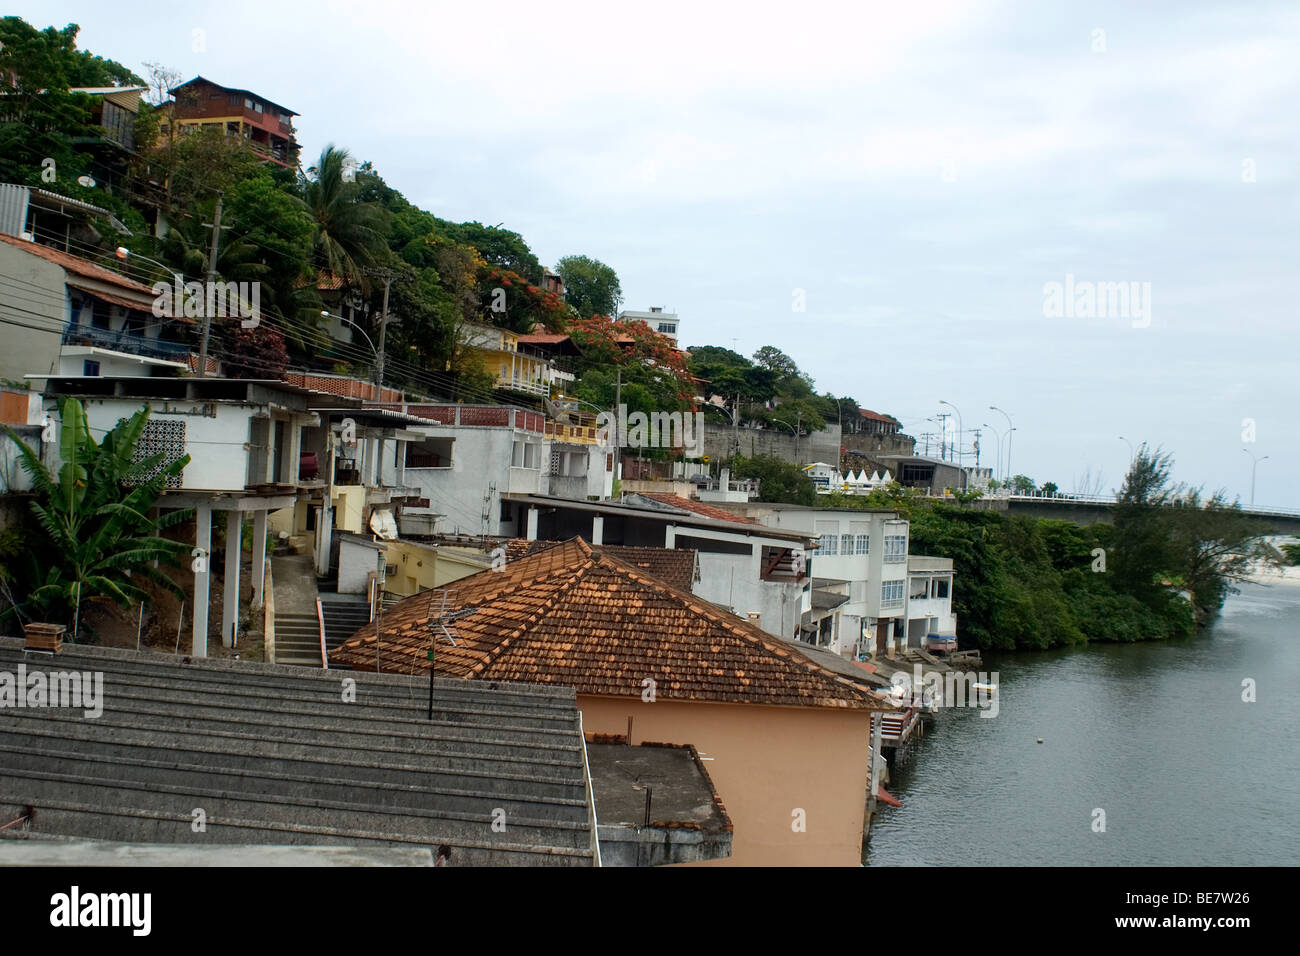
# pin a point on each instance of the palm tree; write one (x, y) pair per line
(349, 234)
(100, 541)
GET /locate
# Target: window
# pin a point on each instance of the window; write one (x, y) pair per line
(667, 327)
(248, 104)
(257, 107)
(891, 594)
(919, 588)
(829, 545)
(89, 368)
(863, 544)
(895, 548)
(846, 544)
(940, 589)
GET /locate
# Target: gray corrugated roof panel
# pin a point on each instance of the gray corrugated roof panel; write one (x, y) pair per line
(283, 756)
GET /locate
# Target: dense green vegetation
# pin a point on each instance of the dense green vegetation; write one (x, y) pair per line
(779, 480)
(321, 239)
(1163, 565)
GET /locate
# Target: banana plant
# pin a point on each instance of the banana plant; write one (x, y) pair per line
(100, 541)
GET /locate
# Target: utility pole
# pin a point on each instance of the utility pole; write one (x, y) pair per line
(383, 329)
(977, 447)
(943, 435)
(735, 424)
(216, 227)
(618, 409)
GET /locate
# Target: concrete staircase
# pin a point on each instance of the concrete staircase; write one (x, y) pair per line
(297, 640)
(277, 755)
(343, 618)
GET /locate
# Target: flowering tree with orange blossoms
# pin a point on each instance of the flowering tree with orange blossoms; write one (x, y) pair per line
(519, 305)
(643, 355)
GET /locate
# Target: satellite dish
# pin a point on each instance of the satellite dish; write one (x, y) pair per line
(86, 181)
(383, 525)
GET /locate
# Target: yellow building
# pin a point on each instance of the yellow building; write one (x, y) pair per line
(499, 350)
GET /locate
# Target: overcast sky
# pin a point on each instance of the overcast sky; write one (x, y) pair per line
(917, 173)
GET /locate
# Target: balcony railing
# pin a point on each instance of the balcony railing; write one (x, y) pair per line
(125, 342)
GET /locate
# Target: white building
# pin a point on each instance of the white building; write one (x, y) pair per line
(496, 450)
(859, 555)
(931, 623)
(244, 441)
(665, 323)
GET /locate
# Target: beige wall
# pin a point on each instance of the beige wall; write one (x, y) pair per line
(35, 314)
(767, 761)
(420, 567)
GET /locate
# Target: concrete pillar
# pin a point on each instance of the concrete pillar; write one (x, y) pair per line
(259, 556)
(532, 525)
(295, 449)
(670, 536)
(598, 529)
(324, 535)
(202, 544)
(230, 611)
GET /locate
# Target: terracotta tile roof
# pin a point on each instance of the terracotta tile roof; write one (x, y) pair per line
(82, 267)
(699, 507)
(569, 615)
(676, 566)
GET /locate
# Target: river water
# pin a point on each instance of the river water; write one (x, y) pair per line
(1154, 734)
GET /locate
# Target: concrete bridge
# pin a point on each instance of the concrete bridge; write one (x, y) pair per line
(1088, 509)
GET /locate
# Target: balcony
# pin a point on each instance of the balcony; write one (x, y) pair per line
(127, 342)
(576, 434)
(523, 385)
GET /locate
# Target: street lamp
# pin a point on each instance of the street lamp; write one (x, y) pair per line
(778, 421)
(330, 315)
(570, 398)
(123, 253)
(960, 434)
(1010, 429)
(999, 434)
(1254, 463)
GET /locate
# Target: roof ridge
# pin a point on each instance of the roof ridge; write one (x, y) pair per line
(500, 647)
